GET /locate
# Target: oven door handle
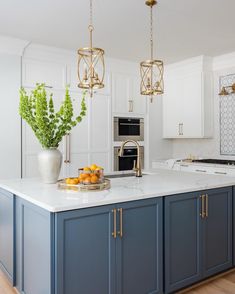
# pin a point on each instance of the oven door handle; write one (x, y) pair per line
(129, 156)
(130, 124)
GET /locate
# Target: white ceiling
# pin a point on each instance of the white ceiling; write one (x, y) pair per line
(184, 28)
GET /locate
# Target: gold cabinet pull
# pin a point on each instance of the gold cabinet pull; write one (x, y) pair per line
(120, 232)
(202, 214)
(207, 203)
(114, 233)
(67, 149)
(130, 105)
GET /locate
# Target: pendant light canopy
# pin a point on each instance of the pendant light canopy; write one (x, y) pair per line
(91, 67)
(151, 70)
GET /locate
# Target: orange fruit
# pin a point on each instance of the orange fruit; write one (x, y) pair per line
(67, 181)
(93, 167)
(87, 180)
(86, 168)
(94, 179)
(83, 176)
(74, 181)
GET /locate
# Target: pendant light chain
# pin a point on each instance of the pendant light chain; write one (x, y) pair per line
(90, 27)
(91, 18)
(151, 31)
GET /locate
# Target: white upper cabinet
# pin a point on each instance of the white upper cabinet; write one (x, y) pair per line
(187, 100)
(53, 74)
(126, 95)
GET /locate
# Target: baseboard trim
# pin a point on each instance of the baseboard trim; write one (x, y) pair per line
(206, 281)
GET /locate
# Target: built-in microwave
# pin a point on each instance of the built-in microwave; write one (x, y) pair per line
(128, 128)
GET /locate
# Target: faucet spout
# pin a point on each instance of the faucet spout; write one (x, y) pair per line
(137, 165)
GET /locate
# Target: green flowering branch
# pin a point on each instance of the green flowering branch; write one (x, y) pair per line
(39, 112)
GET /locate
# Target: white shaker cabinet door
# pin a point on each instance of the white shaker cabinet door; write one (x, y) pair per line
(173, 105)
(76, 144)
(121, 93)
(126, 95)
(192, 102)
(139, 101)
(100, 139)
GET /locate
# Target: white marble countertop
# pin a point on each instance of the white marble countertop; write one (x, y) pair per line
(161, 183)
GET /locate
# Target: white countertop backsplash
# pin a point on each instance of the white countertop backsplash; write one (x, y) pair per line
(161, 183)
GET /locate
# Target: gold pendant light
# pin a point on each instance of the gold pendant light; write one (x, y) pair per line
(151, 71)
(91, 68)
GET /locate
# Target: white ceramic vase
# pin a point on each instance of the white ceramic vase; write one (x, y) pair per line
(49, 165)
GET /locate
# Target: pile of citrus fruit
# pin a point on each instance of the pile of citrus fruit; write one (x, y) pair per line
(88, 175)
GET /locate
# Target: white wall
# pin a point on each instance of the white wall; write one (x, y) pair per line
(210, 148)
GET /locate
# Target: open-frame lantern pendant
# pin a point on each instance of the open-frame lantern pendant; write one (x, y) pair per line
(91, 67)
(151, 71)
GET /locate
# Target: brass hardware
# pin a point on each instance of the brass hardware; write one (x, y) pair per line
(202, 214)
(131, 105)
(150, 2)
(114, 233)
(91, 64)
(151, 71)
(120, 232)
(227, 90)
(207, 210)
(137, 168)
(134, 165)
(67, 149)
(201, 170)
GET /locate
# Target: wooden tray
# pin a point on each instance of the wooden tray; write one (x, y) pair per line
(83, 187)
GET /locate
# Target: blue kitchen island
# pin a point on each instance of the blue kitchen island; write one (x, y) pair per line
(155, 234)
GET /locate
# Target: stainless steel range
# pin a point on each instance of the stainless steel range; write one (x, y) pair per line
(215, 161)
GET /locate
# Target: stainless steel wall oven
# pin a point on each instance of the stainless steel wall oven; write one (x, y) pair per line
(126, 162)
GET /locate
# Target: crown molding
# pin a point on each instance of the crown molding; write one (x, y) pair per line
(225, 61)
(12, 46)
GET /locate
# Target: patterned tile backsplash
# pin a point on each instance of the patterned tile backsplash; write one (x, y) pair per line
(227, 118)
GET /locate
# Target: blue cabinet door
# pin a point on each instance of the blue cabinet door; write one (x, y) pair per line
(85, 251)
(7, 234)
(217, 231)
(233, 218)
(139, 249)
(34, 254)
(182, 241)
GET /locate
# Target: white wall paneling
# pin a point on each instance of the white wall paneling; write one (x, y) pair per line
(10, 123)
(51, 73)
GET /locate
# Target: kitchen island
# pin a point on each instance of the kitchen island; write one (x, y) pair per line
(65, 242)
